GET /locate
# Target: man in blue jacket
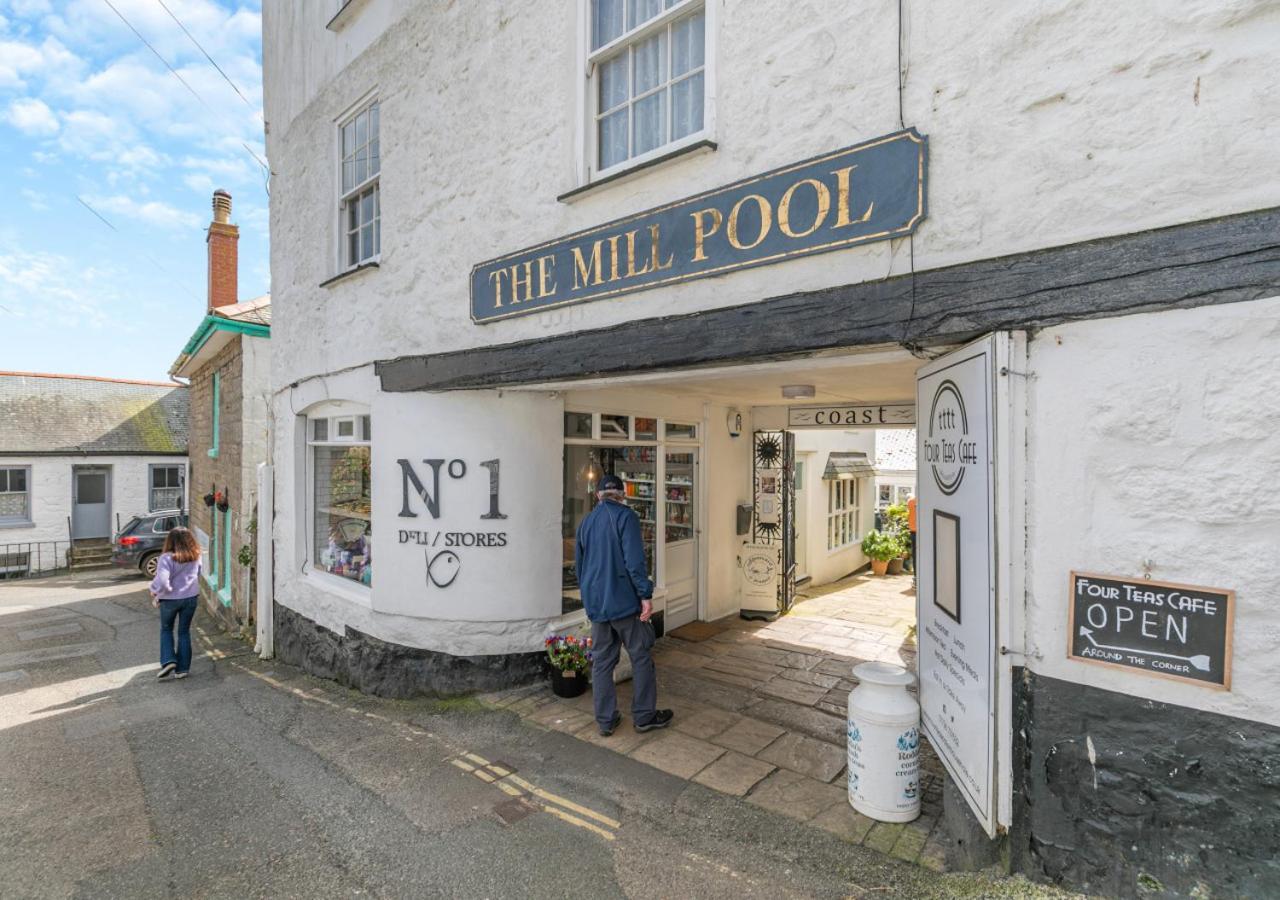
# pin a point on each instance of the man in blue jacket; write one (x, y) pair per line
(618, 597)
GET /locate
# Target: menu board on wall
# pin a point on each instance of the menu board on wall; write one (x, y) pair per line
(955, 565)
(1173, 630)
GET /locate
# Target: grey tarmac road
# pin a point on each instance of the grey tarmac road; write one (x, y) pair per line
(251, 779)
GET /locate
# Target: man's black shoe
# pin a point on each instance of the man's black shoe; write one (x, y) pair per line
(613, 726)
(661, 719)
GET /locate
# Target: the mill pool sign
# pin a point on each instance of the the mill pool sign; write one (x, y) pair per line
(1173, 630)
(872, 191)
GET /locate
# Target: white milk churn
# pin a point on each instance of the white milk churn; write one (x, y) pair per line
(884, 744)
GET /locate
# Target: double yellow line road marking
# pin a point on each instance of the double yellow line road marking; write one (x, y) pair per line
(514, 786)
(496, 774)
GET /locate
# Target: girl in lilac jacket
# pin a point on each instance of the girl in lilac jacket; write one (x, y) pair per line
(176, 590)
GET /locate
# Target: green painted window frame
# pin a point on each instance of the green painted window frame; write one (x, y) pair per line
(217, 397)
(211, 576)
(224, 588)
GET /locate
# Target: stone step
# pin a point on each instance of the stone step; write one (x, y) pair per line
(85, 565)
(91, 555)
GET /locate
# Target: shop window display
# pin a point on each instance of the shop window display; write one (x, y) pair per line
(342, 531)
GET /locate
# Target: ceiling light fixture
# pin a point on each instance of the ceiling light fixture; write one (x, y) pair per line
(797, 391)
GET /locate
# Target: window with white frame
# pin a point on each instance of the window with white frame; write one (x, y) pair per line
(15, 495)
(361, 199)
(647, 88)
(842, 512)
(341, 493)
(166, 488)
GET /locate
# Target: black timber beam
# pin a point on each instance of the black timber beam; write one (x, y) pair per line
(1222, 260)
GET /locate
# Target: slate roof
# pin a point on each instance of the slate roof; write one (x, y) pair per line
(73, 414)
(896, 449)
(257, 311)
(853, 463)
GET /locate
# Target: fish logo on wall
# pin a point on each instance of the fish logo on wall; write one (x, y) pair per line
(442, 568)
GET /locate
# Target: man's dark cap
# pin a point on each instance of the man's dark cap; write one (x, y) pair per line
(610, 483)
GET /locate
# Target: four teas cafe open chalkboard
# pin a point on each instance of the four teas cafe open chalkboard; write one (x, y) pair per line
(1175, 630)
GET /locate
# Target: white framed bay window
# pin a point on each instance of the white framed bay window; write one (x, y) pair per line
(842, 513)
(360, 197)
(648, 80)
(340, 492)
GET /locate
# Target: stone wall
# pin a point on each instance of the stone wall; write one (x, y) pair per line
(1122, 796)
(393, 670)
(225, 472)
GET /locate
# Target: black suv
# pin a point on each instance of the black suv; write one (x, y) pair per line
(139, 543)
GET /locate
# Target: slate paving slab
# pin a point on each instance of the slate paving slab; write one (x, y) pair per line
(703, 722)
(677, 754)
(805, 755)
(794, 691)
(845, 822)
(734, 774)
(749, 736)
(795, 795)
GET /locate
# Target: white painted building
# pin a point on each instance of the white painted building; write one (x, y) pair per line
(513, 247)
(79, 457)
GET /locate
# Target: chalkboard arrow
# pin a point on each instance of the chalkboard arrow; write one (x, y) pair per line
(1201, 662)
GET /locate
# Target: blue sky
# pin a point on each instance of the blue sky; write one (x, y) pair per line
(87, 111)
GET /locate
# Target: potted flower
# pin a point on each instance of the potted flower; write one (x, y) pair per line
(570, 658)
(880, 547)
(895, 524)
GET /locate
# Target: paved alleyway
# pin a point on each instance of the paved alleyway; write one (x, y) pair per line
(761, 710)
(252, 780)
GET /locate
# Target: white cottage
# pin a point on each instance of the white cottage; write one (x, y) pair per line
(515, 246)
(79, 457)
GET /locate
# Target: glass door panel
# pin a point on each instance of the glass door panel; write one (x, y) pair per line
(680, 515)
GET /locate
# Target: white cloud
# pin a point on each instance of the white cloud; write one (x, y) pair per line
(201, 184)
(49, 288)
(35, 200)
(152, 212)
(32, 116)
(50, 60)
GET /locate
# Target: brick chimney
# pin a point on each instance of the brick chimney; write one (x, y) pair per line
(223, 240)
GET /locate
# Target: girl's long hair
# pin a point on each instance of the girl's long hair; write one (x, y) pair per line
(182, 544)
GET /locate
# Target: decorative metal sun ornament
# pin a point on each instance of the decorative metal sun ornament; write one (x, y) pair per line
(768, 452)
(767, 531)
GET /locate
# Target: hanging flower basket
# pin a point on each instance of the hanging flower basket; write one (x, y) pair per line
(223, 504)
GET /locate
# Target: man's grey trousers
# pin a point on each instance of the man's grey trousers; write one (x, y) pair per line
(607, 641)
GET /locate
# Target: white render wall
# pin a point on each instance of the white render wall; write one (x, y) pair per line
(1048, 123)
(825, 565)
(51, 488)
(1168, 453)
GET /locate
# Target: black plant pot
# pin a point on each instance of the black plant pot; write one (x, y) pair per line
(208, 499)
(568, 684)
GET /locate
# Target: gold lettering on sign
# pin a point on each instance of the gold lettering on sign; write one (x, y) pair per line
(766, 222)
(784, 208)
(613, 257)
(586, 273)
(632, 271)
(496, 278)
(842, 200)
(546, 271)
(700, 231)
(655, 253)
(522, 284)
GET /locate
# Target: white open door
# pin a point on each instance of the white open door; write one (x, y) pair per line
(961, 405)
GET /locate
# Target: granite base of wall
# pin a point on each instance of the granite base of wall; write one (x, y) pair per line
(378, 667)
(1126, 797)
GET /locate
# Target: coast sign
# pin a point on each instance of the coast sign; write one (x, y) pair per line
(872, 191)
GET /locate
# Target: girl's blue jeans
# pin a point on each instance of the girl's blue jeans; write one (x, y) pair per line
(181, 612)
